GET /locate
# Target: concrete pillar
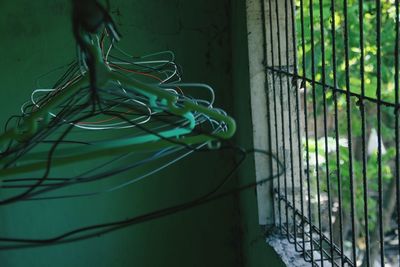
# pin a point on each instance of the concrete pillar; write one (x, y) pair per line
(272, 91)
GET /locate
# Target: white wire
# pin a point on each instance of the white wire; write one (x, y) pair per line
(141, 177)
(169, 71)
(103, 126)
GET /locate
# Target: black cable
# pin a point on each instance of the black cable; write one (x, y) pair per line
(25, 196)
(84, 15)
(149, 216)
(105, 175)
(109, 227)
(23, 147)
(39, 182)
(113, 226)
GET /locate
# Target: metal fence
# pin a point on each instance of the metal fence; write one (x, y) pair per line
(332, 83)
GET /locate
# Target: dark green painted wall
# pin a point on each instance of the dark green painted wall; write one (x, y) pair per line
(255, 250)
(36, 37)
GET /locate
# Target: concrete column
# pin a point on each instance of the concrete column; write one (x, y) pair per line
(273, 91)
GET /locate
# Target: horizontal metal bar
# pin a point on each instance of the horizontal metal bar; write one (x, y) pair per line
(335, 89)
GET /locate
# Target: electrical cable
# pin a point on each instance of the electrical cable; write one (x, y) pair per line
(113, 226)
(72, 115)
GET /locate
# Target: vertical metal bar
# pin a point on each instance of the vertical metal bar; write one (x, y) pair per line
(304, 69)
(363, 131)
(265, 63)
(321, 15)
(313, 86)
(290, 119)
(379, 132)
(278, 33)
(275, 111)
(349, 132)
(397, 123)
(299, 148)
(336, 116)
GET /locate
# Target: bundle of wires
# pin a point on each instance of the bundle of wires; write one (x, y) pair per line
(119, 112)
(93, 115)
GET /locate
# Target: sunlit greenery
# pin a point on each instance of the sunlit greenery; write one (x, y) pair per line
(367, 77)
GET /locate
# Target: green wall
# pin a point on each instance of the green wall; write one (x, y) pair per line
(255, 251)
(209, 39)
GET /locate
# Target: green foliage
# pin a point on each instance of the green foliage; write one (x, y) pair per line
(369, 16)
(371, 176)
(354, 69)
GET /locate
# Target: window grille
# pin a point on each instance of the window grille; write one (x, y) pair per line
(332, 83)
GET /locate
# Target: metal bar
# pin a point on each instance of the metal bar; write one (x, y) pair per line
(397, 123)
(337, 90)
(363, 132)
(304, 70)
(278, 33)
(318, 230)
(289, 110)
(299, 147)
(328, 258)
(321, 15)
(349, 132)
(325, 238)
(275, 110)
(267, 88)
(313, 72)
(379, 131)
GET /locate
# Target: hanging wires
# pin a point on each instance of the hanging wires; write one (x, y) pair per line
(122, 112)
(109, 227)
(118, 108)
(100, 229)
